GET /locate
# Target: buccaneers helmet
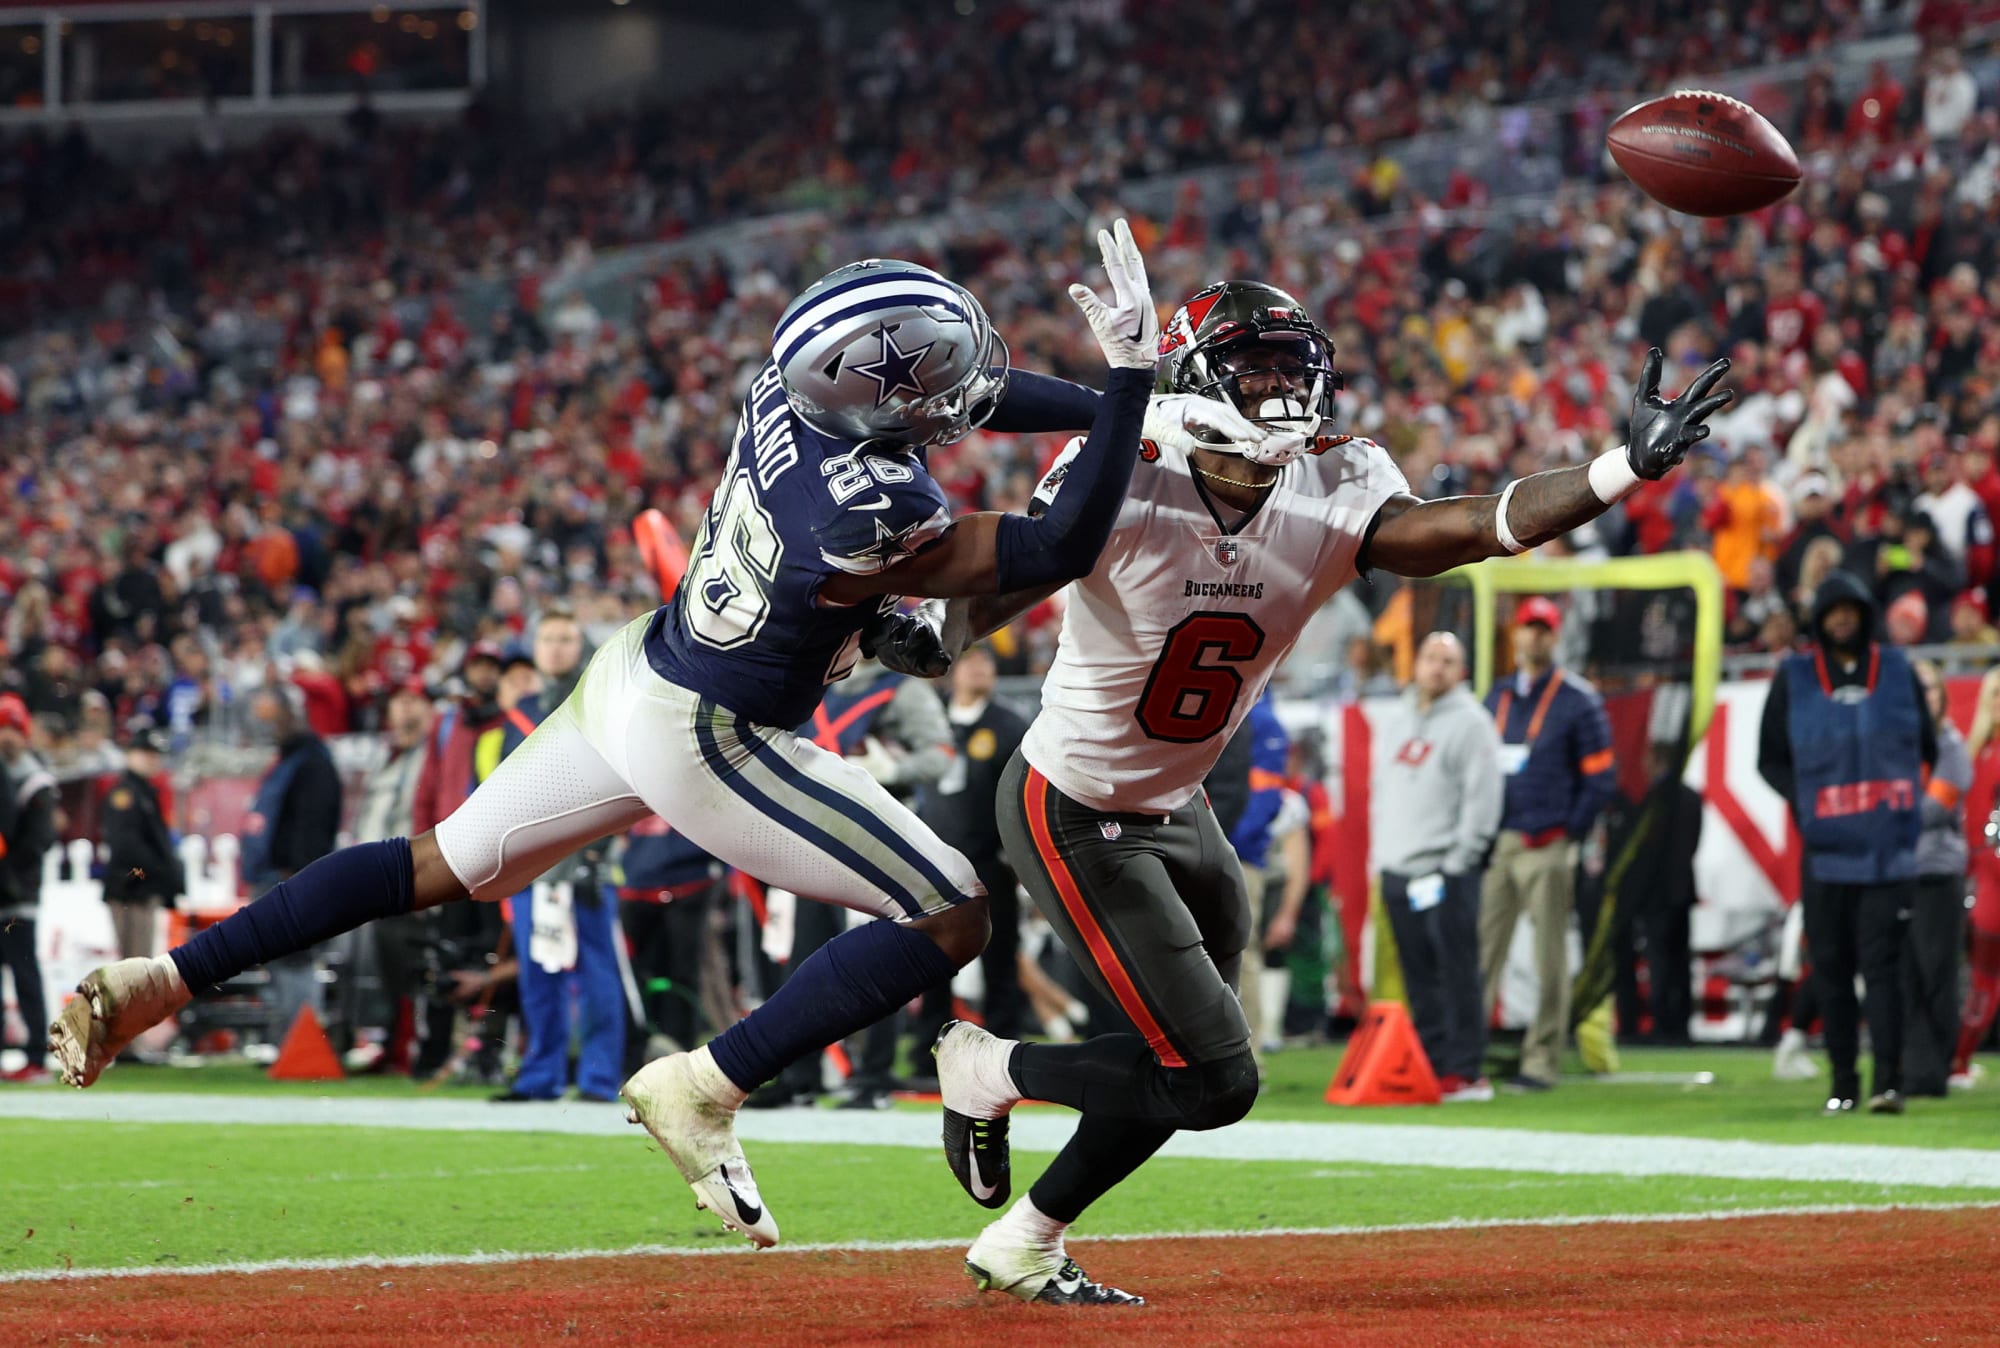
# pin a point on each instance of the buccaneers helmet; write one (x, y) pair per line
(1253, 345)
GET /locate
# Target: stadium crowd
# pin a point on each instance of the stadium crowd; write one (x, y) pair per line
(269, 454)
(932, 108)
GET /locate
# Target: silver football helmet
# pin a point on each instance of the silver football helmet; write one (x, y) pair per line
(890, 350)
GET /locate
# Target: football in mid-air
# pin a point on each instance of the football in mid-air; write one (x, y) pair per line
(1704, 153)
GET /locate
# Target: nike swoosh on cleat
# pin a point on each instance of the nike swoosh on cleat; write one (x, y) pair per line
(981, 1190)
(879, 503)
(751, 1213)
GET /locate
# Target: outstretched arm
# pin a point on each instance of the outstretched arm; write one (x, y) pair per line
(1040, 403)
(1423, 538)
(991, 552)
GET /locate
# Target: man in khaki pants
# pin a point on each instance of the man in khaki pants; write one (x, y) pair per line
(1555, 754)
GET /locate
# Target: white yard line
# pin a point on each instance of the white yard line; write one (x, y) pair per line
(1045, 1130)
(483, 1258)
(314, 1177)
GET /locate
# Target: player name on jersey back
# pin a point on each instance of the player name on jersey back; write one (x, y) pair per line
(1170, 640)
(746, 627)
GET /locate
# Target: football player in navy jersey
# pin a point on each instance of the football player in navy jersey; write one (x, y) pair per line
(826, 516)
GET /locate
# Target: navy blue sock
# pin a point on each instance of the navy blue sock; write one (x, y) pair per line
(335, 894)
(847, 985)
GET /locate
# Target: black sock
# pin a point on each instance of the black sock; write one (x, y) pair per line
(1109, 1074)
(848, 984)
(339, 892)
(1102, 1153)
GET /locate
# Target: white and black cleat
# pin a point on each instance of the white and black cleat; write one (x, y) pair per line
(730, 1192)
(972, 1078)
(1068, 1286)
(667, 1097)
(979, 1156)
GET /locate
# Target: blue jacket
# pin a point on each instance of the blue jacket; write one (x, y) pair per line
(1269, 746)
(1565, 779)
(296, 814)
(1857, 764)
(1844, 739)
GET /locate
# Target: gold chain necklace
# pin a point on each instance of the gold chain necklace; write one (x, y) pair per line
(1230, 481)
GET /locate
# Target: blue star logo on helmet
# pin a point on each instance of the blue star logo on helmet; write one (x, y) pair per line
(896, 369)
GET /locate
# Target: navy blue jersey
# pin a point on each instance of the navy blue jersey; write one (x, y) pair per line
(794, 507)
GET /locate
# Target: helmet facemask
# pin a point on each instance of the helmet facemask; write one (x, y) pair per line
(948, 417)
(1281, 380)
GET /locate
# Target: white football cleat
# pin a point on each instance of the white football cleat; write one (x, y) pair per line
(978, 1093)
(114, 1005)
(1005, 1260)
(690, 1119)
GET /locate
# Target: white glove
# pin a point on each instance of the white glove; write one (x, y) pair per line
(1128, 328)
(877, 761)
(1188, 421)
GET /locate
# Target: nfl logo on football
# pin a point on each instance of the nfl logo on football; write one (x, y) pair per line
(1227, 550)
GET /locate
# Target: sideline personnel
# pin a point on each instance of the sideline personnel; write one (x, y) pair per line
(1846, 738)
(1555, 753)
(1436, 803)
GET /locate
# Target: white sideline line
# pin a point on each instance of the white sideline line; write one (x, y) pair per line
(316, 1177)
(487, 1258)
(1046, 1130)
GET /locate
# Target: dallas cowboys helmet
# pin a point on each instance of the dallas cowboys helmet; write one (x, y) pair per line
(1251, 344)
(890, 350)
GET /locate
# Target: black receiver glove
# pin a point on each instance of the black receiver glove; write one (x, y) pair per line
(1664, 430)
(909, 643)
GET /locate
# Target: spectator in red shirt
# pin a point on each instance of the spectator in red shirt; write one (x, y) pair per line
(1875, 109)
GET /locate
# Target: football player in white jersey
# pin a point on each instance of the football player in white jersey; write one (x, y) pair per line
(1220, 553)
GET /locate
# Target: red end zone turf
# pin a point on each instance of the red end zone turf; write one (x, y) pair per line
(1873, 1278)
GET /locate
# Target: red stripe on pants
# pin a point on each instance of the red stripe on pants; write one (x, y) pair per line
(1036, 794)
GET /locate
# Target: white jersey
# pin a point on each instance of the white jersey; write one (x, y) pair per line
(1168, 642)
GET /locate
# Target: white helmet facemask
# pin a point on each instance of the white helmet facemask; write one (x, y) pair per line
(1281, 395)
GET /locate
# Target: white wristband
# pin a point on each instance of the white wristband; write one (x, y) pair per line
(1611, 476)
(1507, 539)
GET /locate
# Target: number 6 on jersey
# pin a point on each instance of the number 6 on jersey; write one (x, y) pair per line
(1193, 686)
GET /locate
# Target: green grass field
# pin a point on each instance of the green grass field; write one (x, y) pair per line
(95, 1194)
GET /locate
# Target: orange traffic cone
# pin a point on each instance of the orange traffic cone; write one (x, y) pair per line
(1384, 1063)
(306, 1055)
